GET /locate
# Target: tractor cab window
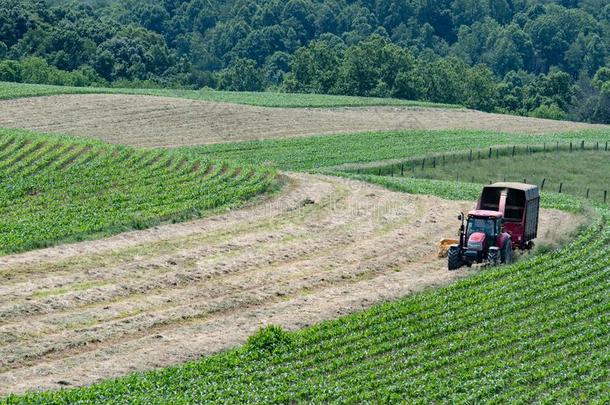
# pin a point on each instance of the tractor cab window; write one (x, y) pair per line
(486, 226)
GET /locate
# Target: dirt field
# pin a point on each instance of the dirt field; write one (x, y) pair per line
(324, 247)
(155, 121)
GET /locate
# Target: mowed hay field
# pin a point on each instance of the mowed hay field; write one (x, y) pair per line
(323, 248)
(150, 121)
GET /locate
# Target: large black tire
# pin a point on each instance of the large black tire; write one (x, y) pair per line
(454, 260)
(493, 257)
(507, 253)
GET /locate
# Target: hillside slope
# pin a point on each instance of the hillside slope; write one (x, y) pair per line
(166, 122)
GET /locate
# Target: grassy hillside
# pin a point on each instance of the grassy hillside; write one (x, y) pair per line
(263, 99)
(535, 331)
(324, 151)
(62, 189)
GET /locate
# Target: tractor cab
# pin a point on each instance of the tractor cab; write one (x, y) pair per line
(489, 223)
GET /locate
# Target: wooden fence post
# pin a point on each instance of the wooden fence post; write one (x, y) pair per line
(582, 145)
(434, 162)
(490, 151)
(560, 187)
(402, 169)
(542, 185)
(423, 164)
(588, 191)
(570, 146)
(605, 196)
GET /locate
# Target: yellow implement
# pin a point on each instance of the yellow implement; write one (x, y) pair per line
(443, 246)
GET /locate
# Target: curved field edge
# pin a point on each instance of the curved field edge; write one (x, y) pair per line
(57, 189)
(261, 99)
(335, 151)
(536, 330)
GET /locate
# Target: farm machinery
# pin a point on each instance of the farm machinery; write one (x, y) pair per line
(505, 219)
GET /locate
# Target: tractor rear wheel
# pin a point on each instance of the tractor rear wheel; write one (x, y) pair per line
(493, 256)
(507, 253)
(453, 258)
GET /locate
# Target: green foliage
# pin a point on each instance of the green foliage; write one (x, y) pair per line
(532, 332)
(268, 340)
(243, 75)
(60, 189)
(552, 112)
(449, 51)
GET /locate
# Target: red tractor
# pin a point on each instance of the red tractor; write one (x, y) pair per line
(506, 218)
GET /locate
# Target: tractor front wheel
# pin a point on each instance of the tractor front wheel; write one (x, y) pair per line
(493, 257)
(453, 258)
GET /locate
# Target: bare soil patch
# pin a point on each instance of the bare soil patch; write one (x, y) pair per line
(325, 247)
(167, 122)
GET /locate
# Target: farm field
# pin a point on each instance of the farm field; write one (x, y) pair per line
(532, 332)
(326, 247)
(262, 99)
(333, 243)
(148, 121)
(57, 189)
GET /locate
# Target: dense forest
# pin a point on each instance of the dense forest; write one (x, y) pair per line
(545, 58)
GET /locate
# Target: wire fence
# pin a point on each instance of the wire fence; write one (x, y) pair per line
(413, 167)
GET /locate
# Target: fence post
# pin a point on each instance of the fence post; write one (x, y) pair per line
(479, 155)
(525, 181)
(472, 181)
(402, 169)
(392, 171)
(560, 187)
(597, 145)
(434, 162)
(582, 145)
(490, 151)
(588, 191)
(470, 158)
(423, 164)
(513, 151)
(379, 172)
(498, 153)
(605, 196)
(542, 185)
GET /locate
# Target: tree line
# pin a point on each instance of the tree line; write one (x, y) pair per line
(545, 58)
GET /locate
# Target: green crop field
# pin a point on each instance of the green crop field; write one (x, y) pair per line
(61, 189)
(536, 331)
(313, 153)
(262, 99)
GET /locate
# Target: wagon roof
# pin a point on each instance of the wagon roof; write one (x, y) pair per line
(531, 190)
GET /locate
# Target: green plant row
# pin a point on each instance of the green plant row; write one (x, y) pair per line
(377, 148)
(536, 331)
(56, 189)
(262, 99)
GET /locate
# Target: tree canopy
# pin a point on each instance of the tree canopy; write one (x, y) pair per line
(539, 57)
